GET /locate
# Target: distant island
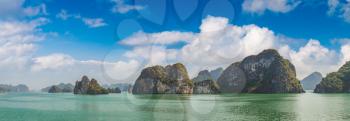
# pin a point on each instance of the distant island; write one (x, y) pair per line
(336, 82)
(10, 88)
(90, 87)
(60, 88)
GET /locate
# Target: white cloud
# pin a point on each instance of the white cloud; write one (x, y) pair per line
(121, 7)
(53, 61)
(90, 22)
(339, 9)
(220, 44)
(17, 41)
(260, 6)
(94, 22)
(168, 37)
(345, 51)
(63, 15)
(315, 57)
(36, 10)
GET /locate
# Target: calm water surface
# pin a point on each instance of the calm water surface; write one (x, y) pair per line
(127, 107)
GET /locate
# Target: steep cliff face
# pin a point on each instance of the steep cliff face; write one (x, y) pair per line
(206, 87)
(91, 87)
(266, 72)
(159, 80)
(336, 82)
(310, 82)
(232, 80)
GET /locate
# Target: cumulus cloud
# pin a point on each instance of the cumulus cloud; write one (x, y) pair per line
(315, 57)
(277, 6)
(340, 9)
(121, 7)
(17, 41)
(52, 61)
(219, 44)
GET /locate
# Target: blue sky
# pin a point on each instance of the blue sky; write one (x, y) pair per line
(113, 40)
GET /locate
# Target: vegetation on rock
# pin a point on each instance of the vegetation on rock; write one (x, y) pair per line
(267, 72)
(336, 82)
(172, 79)
(90, 87)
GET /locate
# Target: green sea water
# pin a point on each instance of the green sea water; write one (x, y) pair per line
(127, 107)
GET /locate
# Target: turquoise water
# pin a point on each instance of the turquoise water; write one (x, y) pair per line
(127, 107)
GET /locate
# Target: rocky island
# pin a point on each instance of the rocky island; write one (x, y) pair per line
(172, 79)
(267, 72)
(336, 82)
(90, 87)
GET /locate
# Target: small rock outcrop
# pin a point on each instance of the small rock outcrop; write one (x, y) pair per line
(172, 79)
(336, 82)
(267, 72)
(90, 87)
(310, 82)
(206, 87)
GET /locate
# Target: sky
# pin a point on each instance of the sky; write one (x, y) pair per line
(45, 42)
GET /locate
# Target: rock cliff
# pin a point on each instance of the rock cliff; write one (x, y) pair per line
(267, 72)
(206, 87)
(172, 79)
(336, 82)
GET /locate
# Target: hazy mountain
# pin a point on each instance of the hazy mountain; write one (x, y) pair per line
(10, 88)
(310, 82)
